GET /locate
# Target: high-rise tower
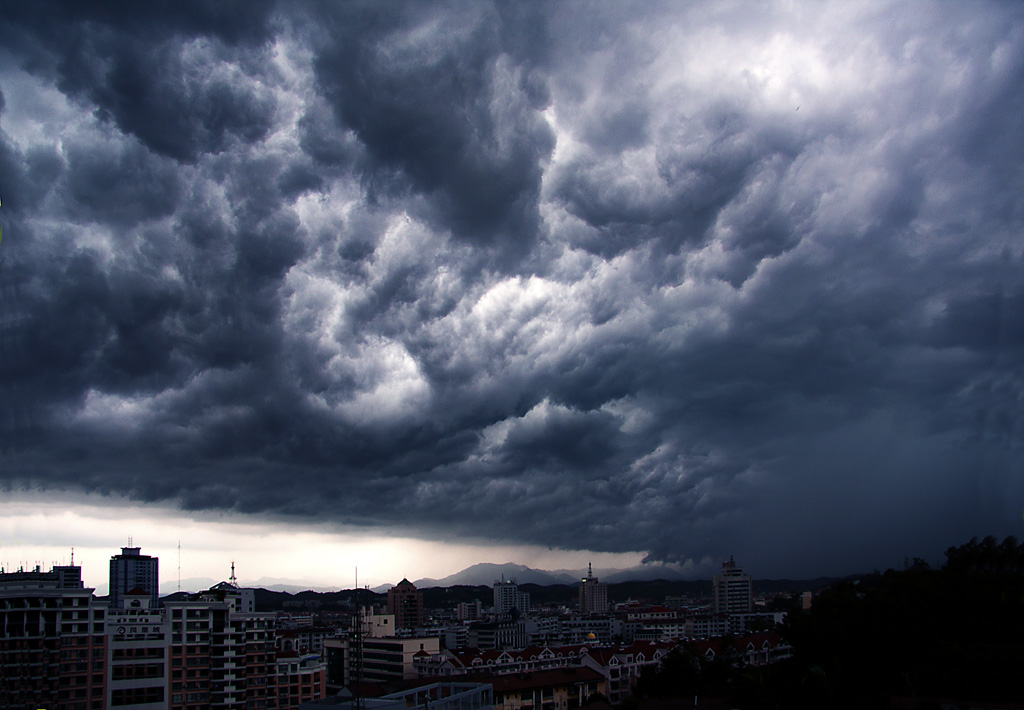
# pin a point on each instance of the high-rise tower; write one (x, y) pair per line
(131, 570)
(733, 590)
(593, 594)
(406, 603)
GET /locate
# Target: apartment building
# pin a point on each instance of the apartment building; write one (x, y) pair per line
(52, 641)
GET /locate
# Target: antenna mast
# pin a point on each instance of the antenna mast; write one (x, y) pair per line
(234, 582)
(179, 565)
(358, 699)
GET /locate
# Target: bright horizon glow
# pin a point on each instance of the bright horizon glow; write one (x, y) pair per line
(38, 530)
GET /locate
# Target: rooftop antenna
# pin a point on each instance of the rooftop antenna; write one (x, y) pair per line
(234, 582)
(129, 541)
(72, 557)
(179, 565)
(359, 703)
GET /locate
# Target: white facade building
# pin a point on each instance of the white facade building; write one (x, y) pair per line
(507, 598)
(733, 590)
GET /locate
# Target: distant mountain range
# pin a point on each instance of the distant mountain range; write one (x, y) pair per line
(483, 574)
(276, 584)
(487, 573)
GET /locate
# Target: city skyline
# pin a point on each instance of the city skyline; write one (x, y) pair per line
(356, 285)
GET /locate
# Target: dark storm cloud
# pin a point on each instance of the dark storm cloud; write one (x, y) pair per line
(644, 279)
(161, 73)
(436, 97)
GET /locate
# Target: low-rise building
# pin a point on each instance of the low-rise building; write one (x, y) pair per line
(621, 667)
(300, 678)
(706, 626)
(555, 689)
(373, 660)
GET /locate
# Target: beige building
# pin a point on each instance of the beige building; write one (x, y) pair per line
(377, 661)
(733, 591)
(405, 603)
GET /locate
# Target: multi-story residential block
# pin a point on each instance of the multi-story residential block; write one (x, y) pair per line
(621, 667)
(741, 624)
(591, 629)
(469, 611)
(138, 654)
(651, 613)
(220, 658)
(733, 591)
(375, 625)
(544, 630)
(305, 639)
(656, 630)
(705, 626)
(498, 634)
(240, 599)
(52, 641)
(593, 594)
(300, 678)
(509, 601)
(133, 570)
(455, 636)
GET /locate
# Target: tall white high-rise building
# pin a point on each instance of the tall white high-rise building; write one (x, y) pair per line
(593, 594)
(733, 590)
(132, 570)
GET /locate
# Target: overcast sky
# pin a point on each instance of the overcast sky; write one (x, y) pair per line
(674, 280)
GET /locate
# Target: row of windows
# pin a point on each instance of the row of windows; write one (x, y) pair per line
(137, 670)
(125, 653)
(135, 696)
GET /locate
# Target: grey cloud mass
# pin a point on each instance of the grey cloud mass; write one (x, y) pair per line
(688, 280)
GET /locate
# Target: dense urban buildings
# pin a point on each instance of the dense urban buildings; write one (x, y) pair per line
(212, 650)
(61, 647)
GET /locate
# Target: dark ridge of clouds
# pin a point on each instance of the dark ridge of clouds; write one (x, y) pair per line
(452, 113)
(158, 72)
(550, 286)
(186, 112)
